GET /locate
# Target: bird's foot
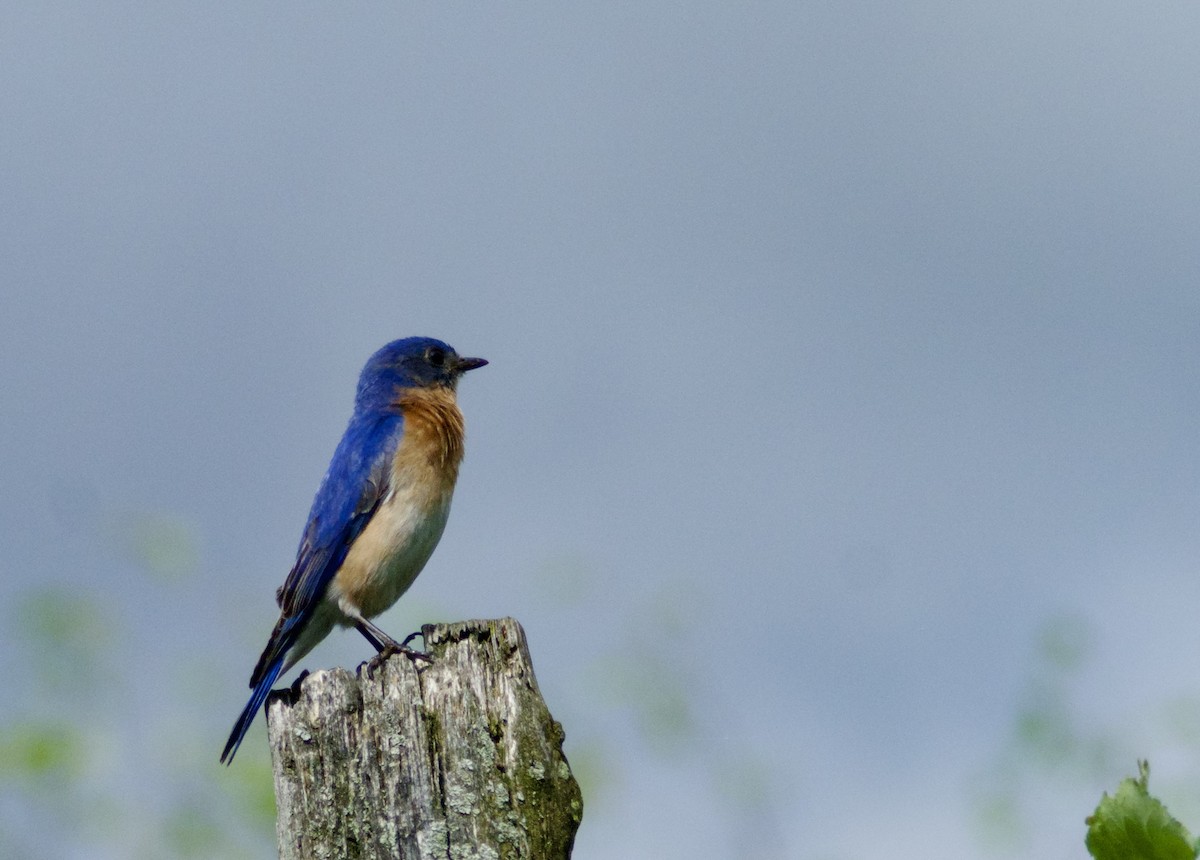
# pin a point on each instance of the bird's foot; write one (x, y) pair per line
(394, 647)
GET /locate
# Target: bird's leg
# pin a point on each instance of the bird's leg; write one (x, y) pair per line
(363, 628)
(381, 640)
(387, 646)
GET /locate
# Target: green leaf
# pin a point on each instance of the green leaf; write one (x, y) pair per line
(1133, 825)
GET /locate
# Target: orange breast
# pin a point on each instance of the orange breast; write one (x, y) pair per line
(433, 436)
(405, 528)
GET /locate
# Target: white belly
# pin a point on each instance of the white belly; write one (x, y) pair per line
(389, 553)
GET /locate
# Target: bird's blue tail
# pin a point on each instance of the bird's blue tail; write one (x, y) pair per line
(261, 689)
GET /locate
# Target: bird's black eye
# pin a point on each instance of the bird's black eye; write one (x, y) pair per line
(436, 356)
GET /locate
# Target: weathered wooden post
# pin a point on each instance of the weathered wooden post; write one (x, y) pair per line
(458, 758)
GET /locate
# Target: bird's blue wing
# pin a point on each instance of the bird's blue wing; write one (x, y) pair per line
(358, 478)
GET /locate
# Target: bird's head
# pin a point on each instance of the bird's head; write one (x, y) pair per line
(413, 362)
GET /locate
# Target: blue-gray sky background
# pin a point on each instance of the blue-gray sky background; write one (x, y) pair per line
(839, 352)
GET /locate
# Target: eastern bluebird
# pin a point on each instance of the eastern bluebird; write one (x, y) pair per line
(379, 512)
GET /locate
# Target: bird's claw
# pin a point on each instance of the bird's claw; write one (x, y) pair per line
(374, 664)
(392, 648)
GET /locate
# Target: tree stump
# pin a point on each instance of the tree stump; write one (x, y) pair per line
(458, 758)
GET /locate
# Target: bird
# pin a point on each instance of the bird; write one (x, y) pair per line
(379, 511)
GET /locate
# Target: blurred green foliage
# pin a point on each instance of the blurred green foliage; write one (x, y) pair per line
(54, 767)
(66, 785)
(653, 693)
(1048, 740)
(192, 830)
(68, 632)
(40, 755)
(161, 545)
(1052, 744)
(648, 680)
(594, 767)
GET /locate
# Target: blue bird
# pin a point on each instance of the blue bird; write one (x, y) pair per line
(379, 512)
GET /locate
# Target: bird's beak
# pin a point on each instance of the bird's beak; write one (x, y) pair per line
(465, 364)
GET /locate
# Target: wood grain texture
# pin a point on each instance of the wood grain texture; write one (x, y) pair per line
(455, 759)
